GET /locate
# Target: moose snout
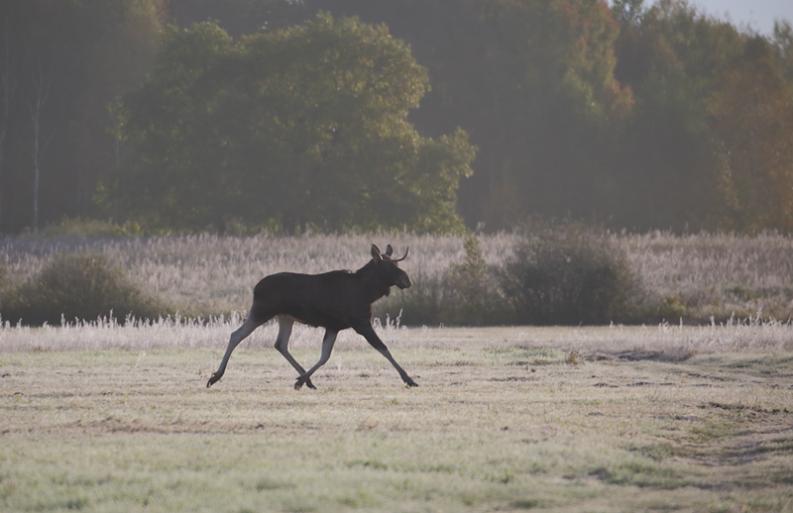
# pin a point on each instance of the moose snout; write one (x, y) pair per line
(403, 281)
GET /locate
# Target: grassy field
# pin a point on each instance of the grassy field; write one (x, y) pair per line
(506, 419)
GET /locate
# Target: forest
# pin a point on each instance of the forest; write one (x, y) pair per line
(432, 116)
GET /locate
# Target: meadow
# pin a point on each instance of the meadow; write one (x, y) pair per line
(111, 418)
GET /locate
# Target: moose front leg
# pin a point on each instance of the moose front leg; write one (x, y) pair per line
(368, 332)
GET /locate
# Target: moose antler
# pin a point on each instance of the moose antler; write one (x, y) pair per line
(403, 256)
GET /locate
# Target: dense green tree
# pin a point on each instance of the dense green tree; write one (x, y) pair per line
(531, 81)
(671, 172)
(566, 127)
(295, 127)
(709, 138)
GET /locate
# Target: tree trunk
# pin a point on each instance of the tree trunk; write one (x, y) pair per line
(36, 170)
(5, 84)
(36, 107)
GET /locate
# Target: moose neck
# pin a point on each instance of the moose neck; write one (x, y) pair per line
(374, 284)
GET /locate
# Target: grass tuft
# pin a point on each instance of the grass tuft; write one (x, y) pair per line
(526, 504)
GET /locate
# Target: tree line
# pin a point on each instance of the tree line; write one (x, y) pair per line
(422, 114)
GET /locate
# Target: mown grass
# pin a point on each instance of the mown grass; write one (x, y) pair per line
(498, 423)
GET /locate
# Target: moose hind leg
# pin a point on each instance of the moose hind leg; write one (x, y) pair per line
(327, 348)
(285, 324)
(236, 337)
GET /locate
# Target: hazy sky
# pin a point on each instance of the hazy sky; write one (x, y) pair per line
(759, 14)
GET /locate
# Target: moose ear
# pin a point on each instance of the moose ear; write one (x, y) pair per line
(376, 253)
(389, 251)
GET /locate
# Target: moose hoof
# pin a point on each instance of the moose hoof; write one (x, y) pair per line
(409, 382)
(214, 379)
(302, 380)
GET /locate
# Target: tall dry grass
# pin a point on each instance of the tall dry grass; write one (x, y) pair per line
(716, 274)
(693, 277)
(217, 273)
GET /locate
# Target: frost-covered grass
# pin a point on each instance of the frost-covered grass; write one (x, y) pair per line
(695, 276)
(176, 333)
(505, 419)
(717, 274)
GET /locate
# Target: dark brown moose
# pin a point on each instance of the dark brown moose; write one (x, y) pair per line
(336, 300)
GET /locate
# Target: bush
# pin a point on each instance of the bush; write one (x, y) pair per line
(6, 285)
(78, 286)
(464, 295)
(471, 295)
(4, 280)
(569, 274)
(419, 305)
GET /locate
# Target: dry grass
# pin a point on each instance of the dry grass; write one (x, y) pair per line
(181, 334)
(717, 274)
(698, 275)
(211, 272)
(646, 419)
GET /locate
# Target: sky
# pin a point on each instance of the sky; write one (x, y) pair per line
(758, 14)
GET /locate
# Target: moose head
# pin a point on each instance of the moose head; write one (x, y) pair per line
(387, 267)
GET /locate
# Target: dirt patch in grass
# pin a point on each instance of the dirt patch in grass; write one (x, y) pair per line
(673, 355)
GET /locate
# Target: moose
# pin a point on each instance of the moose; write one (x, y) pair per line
(335, 300)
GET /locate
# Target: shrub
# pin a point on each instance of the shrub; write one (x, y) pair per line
(464, 295)
(569, 274)
(471, 295)
(4, 279)
(78, 286)
(6, 286)
(421, 304)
